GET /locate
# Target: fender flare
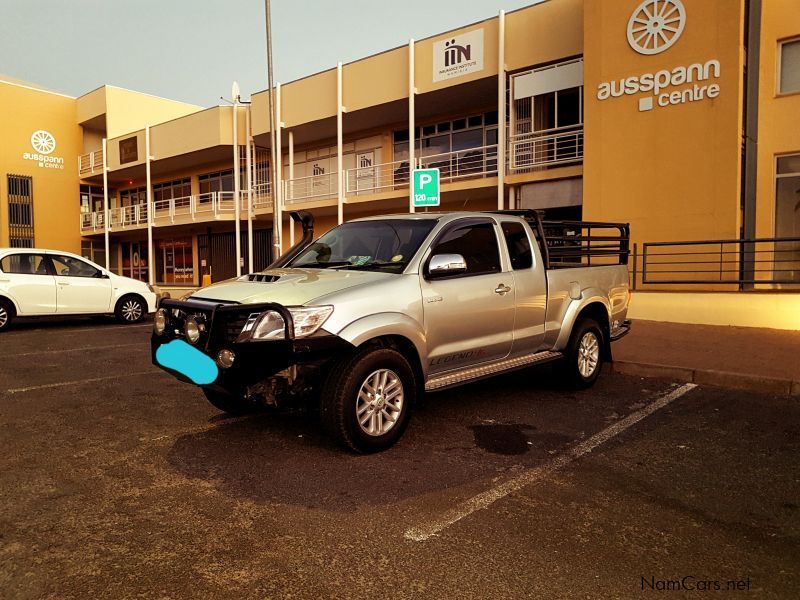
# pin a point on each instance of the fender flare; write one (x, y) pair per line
(385, 324)
(588, 296)
(5, 296)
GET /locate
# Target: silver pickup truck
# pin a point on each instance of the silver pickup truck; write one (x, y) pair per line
(377, 311)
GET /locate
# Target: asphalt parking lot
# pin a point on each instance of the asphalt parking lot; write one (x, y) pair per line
(118, 481)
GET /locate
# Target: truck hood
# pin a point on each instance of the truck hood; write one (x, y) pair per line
(290, 287)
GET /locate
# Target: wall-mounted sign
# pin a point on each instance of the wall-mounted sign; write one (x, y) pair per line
(44, 143)
(365, 172)
(458, 55)
(426, 187)
(128, 150)
(654, 27)
(655, 84)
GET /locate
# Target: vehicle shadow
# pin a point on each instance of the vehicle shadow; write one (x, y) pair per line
(457, 438)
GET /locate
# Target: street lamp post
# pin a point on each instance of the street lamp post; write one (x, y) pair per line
(276, 209)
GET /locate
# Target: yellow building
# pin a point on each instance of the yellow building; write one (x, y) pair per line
(678, 116)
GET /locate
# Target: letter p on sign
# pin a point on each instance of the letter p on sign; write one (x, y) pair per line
(426, 187)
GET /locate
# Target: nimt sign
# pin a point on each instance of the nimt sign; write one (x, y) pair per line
(458, 55)
(426, 187)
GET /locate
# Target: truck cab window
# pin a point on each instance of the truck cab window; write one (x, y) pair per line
(477, 243)
(519, 246)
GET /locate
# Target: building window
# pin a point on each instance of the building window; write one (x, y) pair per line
(91, 198)
(787, 217)
(133, 196)
(175, 261)
(170, 190)
(20, 211)
(789, 80)
(128, 150)
(219, 181)
(94, 251)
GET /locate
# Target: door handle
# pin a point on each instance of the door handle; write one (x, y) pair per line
(502, 289)
(63, 283)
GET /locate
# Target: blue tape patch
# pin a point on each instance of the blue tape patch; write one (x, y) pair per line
(183, 358)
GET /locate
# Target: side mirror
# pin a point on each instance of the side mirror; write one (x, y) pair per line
(446, 265)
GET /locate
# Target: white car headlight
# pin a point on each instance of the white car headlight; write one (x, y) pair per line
(270, 325)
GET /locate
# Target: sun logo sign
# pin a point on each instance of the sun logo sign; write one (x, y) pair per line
(656, 25)
(43, 141)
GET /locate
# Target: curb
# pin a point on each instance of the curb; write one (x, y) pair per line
(739, 381)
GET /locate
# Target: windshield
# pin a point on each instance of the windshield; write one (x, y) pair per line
(386, 245)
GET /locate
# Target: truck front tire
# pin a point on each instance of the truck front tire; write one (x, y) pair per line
(367, 399)
(584, 356)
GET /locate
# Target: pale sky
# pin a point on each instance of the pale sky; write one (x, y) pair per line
(192, 50)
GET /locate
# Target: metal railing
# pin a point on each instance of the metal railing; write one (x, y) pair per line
(91, 162)
(374, 179)
(304, 189)
(195, 207)
(747, 262)
(548, 148)
(462, 164)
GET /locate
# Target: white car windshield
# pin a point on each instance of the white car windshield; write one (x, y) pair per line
(382, 245)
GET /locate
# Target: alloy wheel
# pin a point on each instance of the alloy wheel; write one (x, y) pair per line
(132, 310)
(588, 354)
(380, 402)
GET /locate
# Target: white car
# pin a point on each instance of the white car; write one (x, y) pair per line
(35, 282)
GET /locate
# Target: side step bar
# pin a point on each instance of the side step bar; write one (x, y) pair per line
(453, 378)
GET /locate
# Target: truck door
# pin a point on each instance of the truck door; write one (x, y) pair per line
(469, 316)
(530, 282)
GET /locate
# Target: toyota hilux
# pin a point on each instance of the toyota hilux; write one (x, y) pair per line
(362, 321)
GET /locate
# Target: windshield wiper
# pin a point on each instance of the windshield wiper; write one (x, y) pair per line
(320, 265)
(376, 264)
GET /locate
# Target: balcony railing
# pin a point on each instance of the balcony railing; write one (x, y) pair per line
(374, 179)
(91, 162)
(548, 148)
(312, 187)
(170, 210)
(463, 164)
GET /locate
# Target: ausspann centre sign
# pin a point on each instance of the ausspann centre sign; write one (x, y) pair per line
(458, 55)
(653, 28)
(44, 144)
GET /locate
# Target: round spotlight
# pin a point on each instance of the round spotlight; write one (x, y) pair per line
(225, 358)
(192, 330)
(160, 321)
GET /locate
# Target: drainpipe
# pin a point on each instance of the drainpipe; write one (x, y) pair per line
(291, 178)
(339, 147)
(237, 215)
(750, 152)
(411, 92)
(501, 107)
(105, 200)
(151, 254)
(249, 167)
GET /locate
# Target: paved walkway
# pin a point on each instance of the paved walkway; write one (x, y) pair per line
(766, 360)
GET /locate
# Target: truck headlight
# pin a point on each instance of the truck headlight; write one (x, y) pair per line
(270, 325)
(308, 319)
(160, 321)
(192, 328)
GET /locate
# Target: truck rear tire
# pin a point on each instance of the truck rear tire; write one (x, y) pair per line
(229, 403)
(367, 399)
(584, 356)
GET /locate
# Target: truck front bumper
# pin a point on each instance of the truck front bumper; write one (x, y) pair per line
(221, 359)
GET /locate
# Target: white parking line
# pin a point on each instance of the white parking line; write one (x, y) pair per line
(82, 349)
(485, 499)
(78, 382)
